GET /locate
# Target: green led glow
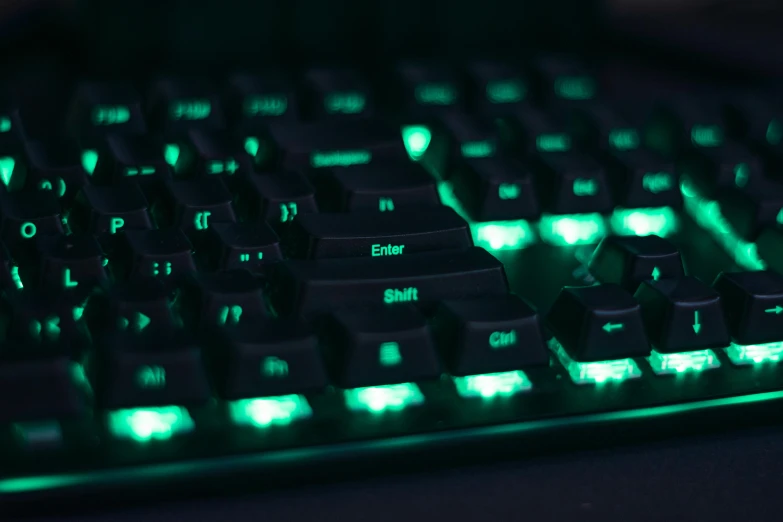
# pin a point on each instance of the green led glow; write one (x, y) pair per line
(5, 124)
(144, 424)
(707, 215)
(575, 87)
(110, 114)
(505, 91)
(624, 139)
(268, 105)
(492, 385)
(436, 94)
(661, 221)
(706, 135)
(15, 277)
(252, 145)
(379, 399)
(171, 153)
(755, 353)
(477, 149)
(490, 235)
(572, 229)
(190, 109)
(774, 132)
(340, 158)
(344, 103)
(698, 361)
(270, 411)
(553, 142)
(600, 372)
(417, 139)
(7, 167)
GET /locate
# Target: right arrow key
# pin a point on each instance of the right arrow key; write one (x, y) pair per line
(753, 304)
(682, 315)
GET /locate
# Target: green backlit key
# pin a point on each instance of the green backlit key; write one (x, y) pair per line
(228, 298)
(642, 179)
(338, 93)
(254, 99)
(427, 89)
(753, 305)
(529, 130)
(604, 126)
(733, 165)
(176, 105)
(277, 198)
(497, 85)
(628, 261)
(571, 183)
(98, 109)
(566, 79)
(684, 122)
(749, 211)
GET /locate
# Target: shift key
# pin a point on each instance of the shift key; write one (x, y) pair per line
(310, 287)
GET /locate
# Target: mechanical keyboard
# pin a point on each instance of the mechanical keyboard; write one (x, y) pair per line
(217, 283)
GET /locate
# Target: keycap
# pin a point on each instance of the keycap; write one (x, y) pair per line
(328, 143)
(752, 305)
(628, 261)
(378, 345)
(164, 254)
(598, 323)
(641, 179)
(47, 321)
(338, 92)
(527, 130)
(569, 183)
(179, 104)
(733, 166)
(565, 78)
(375, 188)
(55, 166)
(685, 121)
(132, 306)
(207, 153)
(249, 246)
(467, 136)
(194, 204)
(113, 209)
(253, 99)
(489, 335)
(70, 261)
(278, 198)
(496, 189)
(272, 358)
(222, 299)
(755, 117)
(607, 127)
(42, 389)
(749, 211)
(682, 315)
(149, 369)
(26, 215)
(399, 233)
(138, 158)
(99, 108)
(497, 85)
(425, 89)
(312, 287)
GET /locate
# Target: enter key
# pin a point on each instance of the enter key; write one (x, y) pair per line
(381, 234)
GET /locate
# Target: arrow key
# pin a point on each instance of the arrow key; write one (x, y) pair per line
(753, 304)
(627, 261)
(682, 315)
(598, 323)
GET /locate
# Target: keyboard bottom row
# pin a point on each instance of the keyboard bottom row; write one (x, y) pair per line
(290, 436)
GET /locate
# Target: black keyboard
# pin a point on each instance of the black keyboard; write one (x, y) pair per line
(269, 278)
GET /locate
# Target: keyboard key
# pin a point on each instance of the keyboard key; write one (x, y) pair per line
(732, 166)
(376, 188)
(209, 153)
(497, 85)
(27, 215)
(529, 130)
(682, 315)
(313, 287)
(330, 143)
(258, 98)
(136, 158)
(55, 166)
(755, 118)
(100, 210)
(489, 335)
(424, 89)
(278, 198)
(71, 261)
(379, 345)
(149, 369)
(42, 389)
(338, 92)
(641, 179)
(685, 122)
(164, 254)
(571, 184)
(601, 126)
(752, 304)
(278, 358)
(176, 105)
(47, 321)
(628, 261)
(564, 78)
(98, 109)
(318, 236)
(749, 211)
(223, 299)
(466, 136)
(496, 189)
(195, 204)
(598, 323)
(248, 246)
(133, 306)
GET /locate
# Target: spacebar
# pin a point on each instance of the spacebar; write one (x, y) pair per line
(310, 287)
